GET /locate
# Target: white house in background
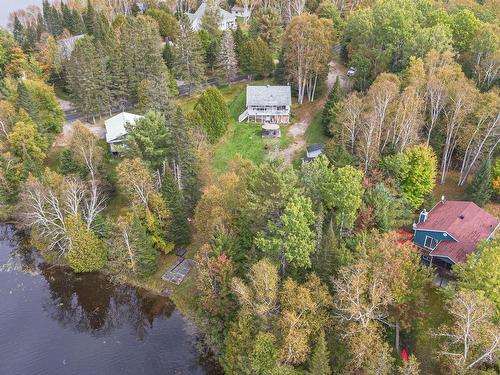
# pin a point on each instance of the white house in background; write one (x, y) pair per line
(226, 21)
(115, 128)
(269, 104)
(241, 12)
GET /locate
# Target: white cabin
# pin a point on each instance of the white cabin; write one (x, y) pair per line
(116, 131)
(269, 104)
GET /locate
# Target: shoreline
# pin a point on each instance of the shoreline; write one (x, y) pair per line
(173, 290)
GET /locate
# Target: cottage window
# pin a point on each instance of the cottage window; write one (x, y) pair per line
(430, 242)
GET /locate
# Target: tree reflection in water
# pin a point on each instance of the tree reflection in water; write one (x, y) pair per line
(91, 303)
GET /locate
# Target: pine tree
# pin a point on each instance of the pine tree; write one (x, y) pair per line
(179, 231)
(90, 19)
(213, 113)
(188, 62)
(154, 94)
(328, 113)
(257, 58)
(140, 51)
(479, 190)
(239, 41)
(118, 82)
(147, 255)
(87, 79)
(18, 31)
(210, 20)
(320, 361)
(226, 61)
(182, 159)
(168, 56)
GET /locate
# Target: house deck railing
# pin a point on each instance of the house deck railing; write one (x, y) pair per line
(268, 112)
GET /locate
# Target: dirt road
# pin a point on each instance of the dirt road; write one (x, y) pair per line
(71, 115)
(306, 113)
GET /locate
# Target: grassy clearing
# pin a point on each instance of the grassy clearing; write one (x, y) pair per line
(243, 138)
(315, 133)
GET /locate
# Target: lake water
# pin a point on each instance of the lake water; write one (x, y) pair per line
(55, 322)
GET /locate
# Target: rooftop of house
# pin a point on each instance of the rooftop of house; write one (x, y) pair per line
(115, 126)
(67, 45)
(466, 222)
(200, 12)
(315, 147)
(269, 96)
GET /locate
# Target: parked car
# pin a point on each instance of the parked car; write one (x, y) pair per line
(352, 71)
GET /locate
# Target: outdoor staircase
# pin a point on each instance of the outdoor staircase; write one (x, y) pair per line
(243, 116)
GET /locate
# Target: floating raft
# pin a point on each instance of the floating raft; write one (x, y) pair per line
(178, 271)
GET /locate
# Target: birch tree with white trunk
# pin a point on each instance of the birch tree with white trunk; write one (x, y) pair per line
(461, 103)
(472, 339)
(350, 119)
(484, 135)
(307, 44)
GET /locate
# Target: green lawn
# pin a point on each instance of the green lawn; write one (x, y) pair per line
(315, 133)
(243, 138)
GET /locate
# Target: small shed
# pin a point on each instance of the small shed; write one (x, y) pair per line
(315, 150)
(271, 130)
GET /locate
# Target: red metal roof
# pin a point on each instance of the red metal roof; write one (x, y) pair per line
(464, 221)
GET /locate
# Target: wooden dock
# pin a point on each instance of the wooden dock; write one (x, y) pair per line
(178, 271)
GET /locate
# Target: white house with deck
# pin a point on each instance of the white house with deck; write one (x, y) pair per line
(116, 131)
(226, 20)
(269, 104)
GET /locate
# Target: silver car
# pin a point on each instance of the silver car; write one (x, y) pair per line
(352, 71)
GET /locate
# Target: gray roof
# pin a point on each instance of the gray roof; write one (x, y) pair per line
(269, 95)
(315, 147)
(67, 45)
(200, 12)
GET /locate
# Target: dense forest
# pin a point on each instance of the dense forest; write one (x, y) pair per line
(300, 268)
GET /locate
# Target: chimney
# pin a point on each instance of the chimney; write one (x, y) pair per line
(423, 216)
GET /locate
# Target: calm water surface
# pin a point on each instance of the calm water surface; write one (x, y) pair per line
(55, 322)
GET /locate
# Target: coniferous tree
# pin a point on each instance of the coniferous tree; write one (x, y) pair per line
(226, 61)
(148, 139)
(140, 51)
(168, 56)
(87, 80)
(154, 94)
(210, 20)
(479, 190)
(239, 40)
(40, 102)
(328, 115)
(179, 230)
(212, 113)
(18, 31)
(182, 159)
(118, 85)
(188, 62)
(320, 359)
(257, 58)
